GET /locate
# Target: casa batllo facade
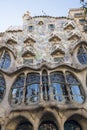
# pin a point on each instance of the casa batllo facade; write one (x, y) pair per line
(43, 73)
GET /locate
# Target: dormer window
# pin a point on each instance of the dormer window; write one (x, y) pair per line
(30, 28)
(51, 26)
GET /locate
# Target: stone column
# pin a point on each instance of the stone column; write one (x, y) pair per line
(2, 127)
(41, 91)
(50, 87)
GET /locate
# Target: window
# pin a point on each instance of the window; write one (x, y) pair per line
(32, 86)
(30, 28)
(2, 87)
(5, 60)
(17, 90)
(66, 90)
(58, 85)
(72, 125)
(82, 21)
(51, 26)
(74, 88)
(76, 15)
(82, 54)
(48, 125)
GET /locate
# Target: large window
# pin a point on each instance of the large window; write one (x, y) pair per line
(17, 90)
(25, 89)
(32, 85)
(82, 54)
(2, 87)
(58, 86)
(72, 125)
(66, 88)
(74, 88)
(5, 60)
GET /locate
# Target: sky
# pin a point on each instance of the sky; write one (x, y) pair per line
(11, 11)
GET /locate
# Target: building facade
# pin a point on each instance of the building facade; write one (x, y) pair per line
(43, 73)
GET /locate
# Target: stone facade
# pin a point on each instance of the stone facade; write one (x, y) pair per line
(43, 73)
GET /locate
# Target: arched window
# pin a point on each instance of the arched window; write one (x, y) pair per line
(58, 86)
(48, 125)
(32, 84)
(5, 60)
(17, 90)
(82, 54)
(74, 88)
(24, 126)
(72, 125)
(2, 87)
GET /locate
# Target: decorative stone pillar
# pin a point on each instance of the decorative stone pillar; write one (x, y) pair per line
(2, 127)
(41, 89)
(50, 87)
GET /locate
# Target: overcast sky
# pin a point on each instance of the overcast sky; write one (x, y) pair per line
(11, 11)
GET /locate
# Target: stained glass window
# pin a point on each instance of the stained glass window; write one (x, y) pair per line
(82, 54)
(58, 86)
(2, 87)
(75, 88)
(48, 125)
(33, 84)
(17, 90)
(72, 125)
(24, 126)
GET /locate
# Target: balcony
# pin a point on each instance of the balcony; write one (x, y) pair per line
(28, 50)
(57, 47)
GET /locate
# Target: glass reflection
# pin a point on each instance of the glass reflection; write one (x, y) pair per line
(32, 86)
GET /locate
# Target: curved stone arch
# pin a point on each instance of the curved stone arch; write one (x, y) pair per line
(11, 40)
(4, 91)
(75, 46)
(17, 119)
(8, 49)
(49, 115)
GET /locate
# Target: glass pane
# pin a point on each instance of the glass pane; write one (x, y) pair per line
(82, 54)
(2, 87)
(48, 126)
(33, 78)
(5, 60)
(72, 125)
(32, 94)
(17, 90)
(71, 78)
(58, 91)
(75, 90)
(57, 77)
